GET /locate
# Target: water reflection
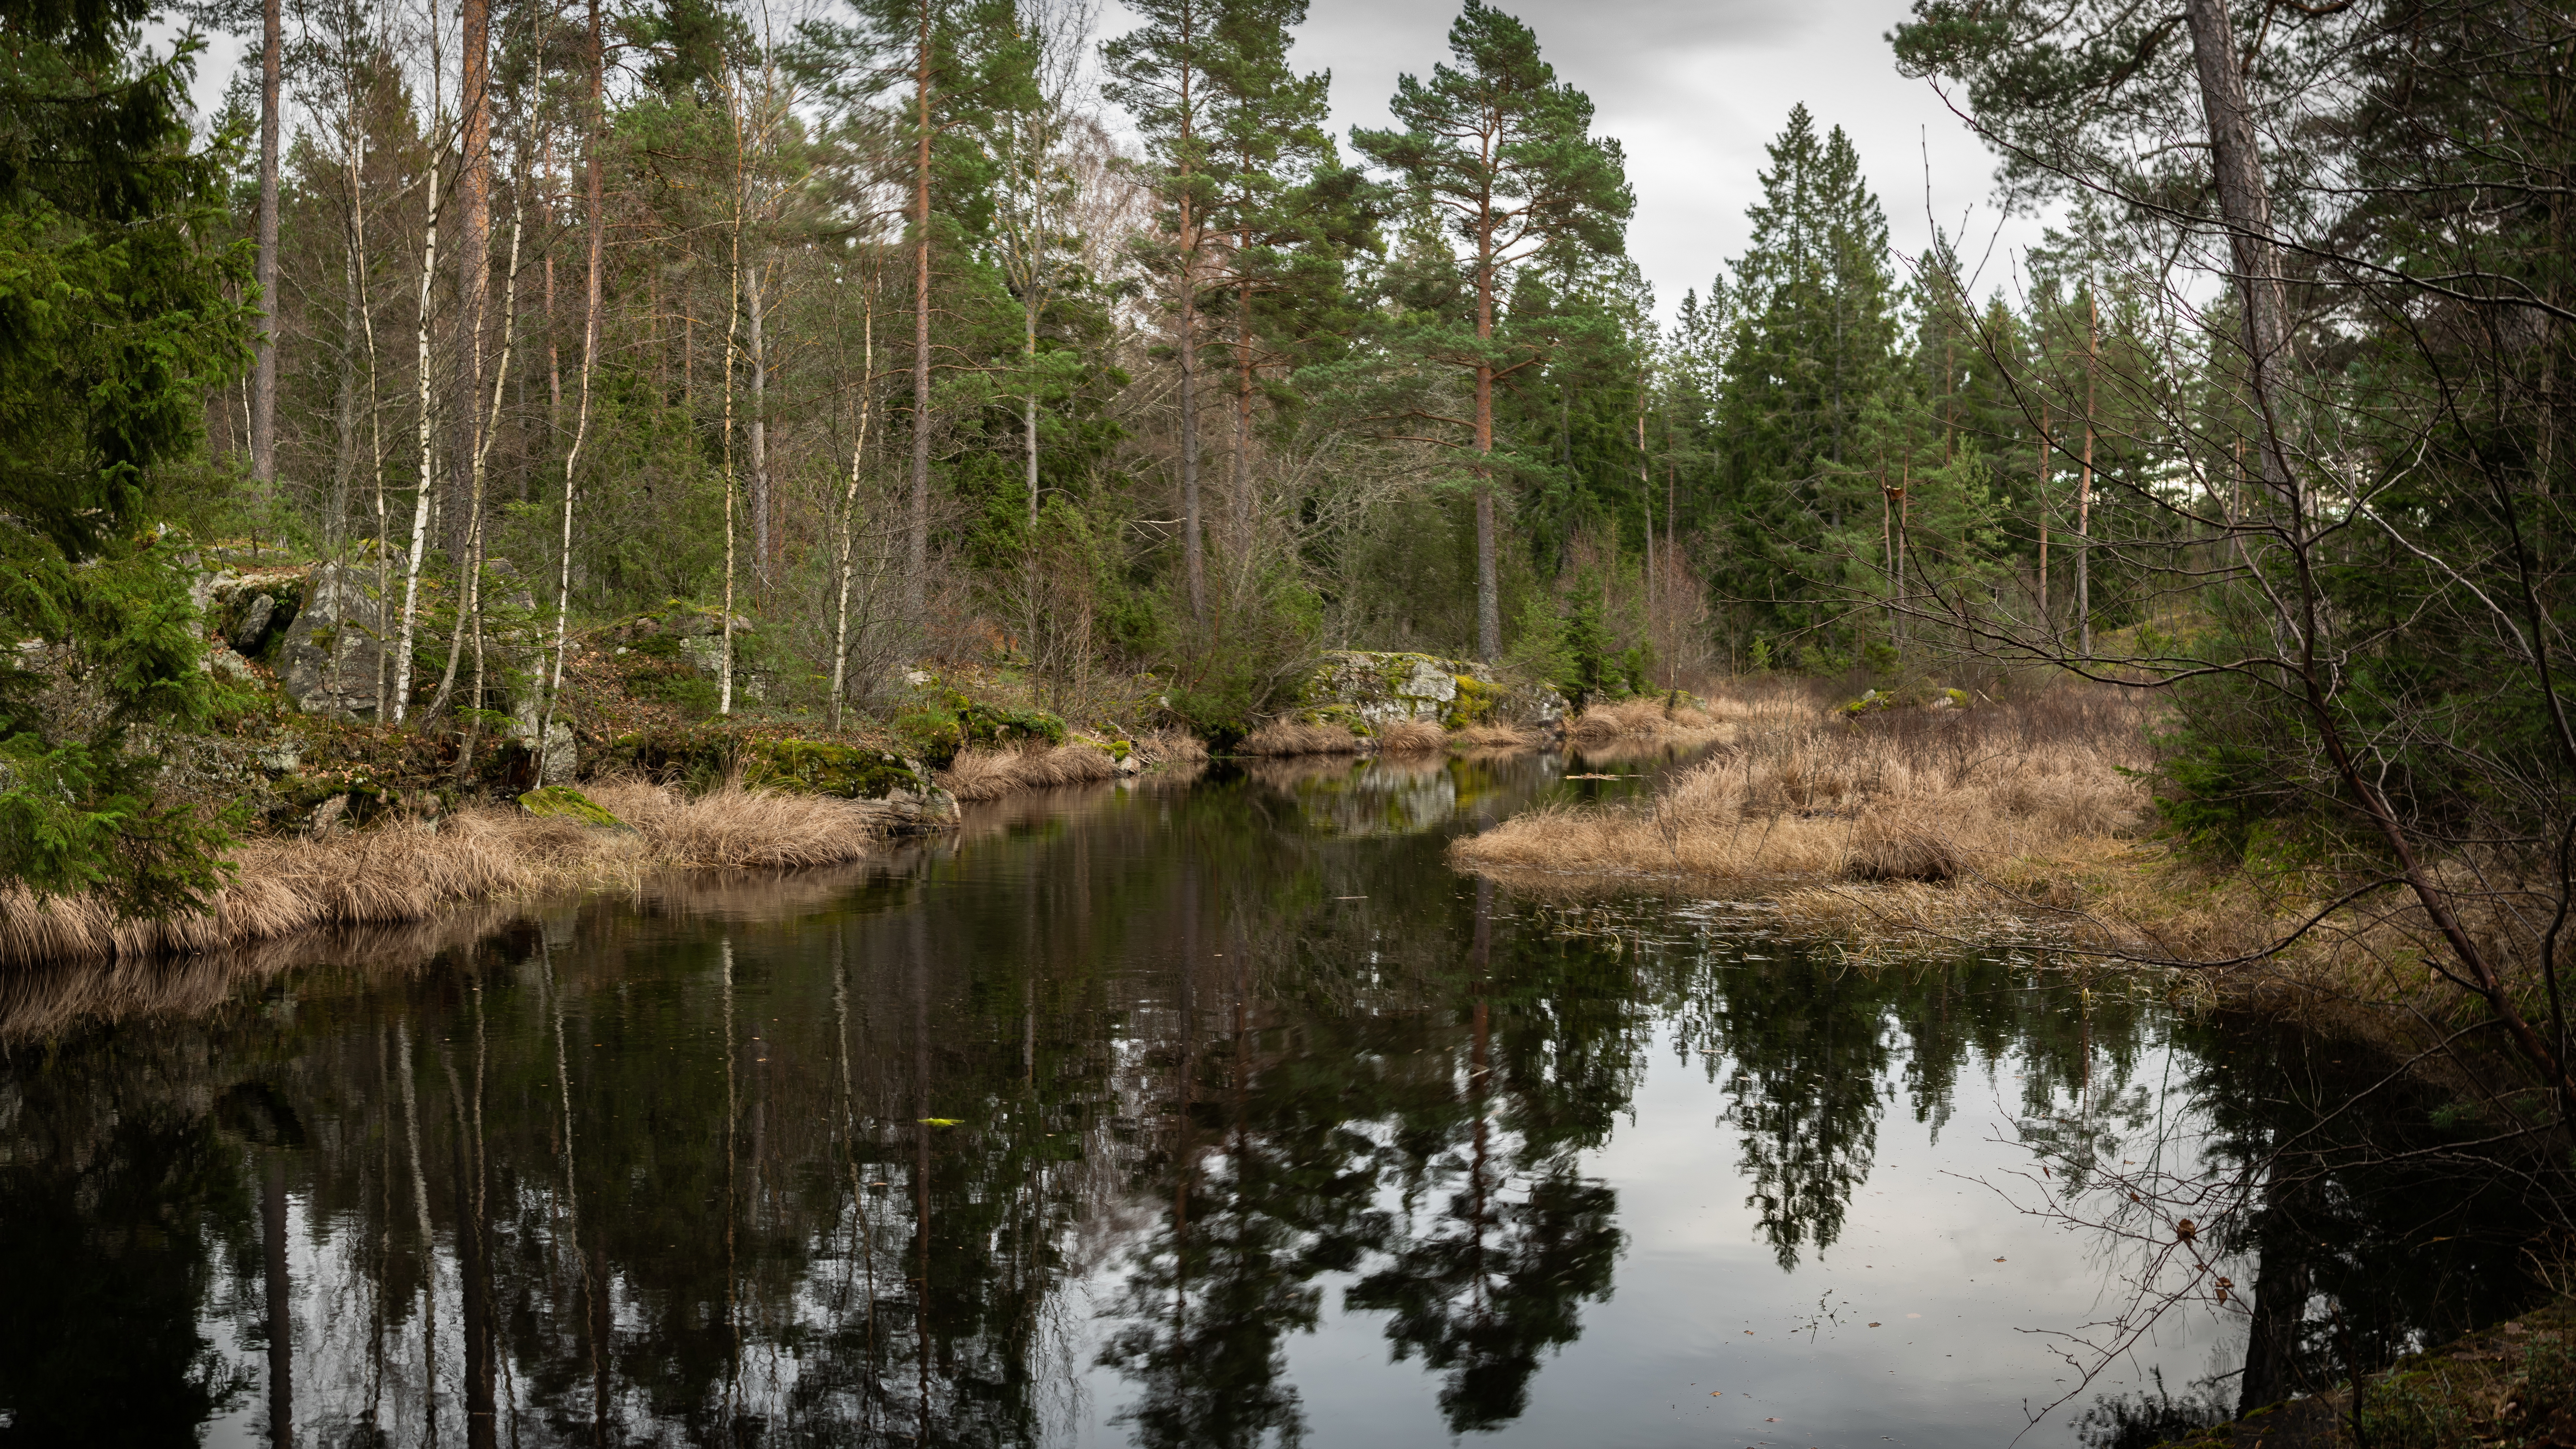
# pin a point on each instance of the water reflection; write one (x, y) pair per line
(1217, 1116)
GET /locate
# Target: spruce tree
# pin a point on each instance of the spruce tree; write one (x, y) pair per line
(1504, 151)
(113, 327)
(1810, 370)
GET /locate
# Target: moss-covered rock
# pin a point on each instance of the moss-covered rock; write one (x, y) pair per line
(947, 721)
(563, 802)
(1474, 704)
(1364, 690)
(812, 767)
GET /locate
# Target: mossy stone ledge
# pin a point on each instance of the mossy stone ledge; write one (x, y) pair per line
(563, 802)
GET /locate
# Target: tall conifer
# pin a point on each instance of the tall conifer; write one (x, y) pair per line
(1505, 152)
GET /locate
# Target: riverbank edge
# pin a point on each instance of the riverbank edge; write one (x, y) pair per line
(2512, 1383)
(406, 870)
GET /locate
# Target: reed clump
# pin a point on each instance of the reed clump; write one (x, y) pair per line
(1907, 812)
(1645, 718)
(408, 870)
(991, 774)
(1411, 737)
(1486, 738)
(1285, 737)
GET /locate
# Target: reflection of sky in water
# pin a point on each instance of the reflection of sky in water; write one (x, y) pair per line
(1704, 1161)
(1904, 1330)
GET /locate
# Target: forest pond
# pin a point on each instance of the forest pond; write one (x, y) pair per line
(1204, 1114)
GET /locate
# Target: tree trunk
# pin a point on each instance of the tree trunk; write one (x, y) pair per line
(428, 480)
(1489, 598)
(344, 410)
(733, 330)
(916, 541)
(278, 1292)
(263, 396)
(757, 424)
(469, 601)
(2047, 616)
(850, 499)
(594, 222)
(1029, 406)
(1193, 528)
(1193, 531)
(2084, 493)
(1239, 488)
(2244, 205)
(473, 260)
(375, 420)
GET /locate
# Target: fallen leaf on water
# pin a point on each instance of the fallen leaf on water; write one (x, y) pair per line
(1873, 1325)
(940, 1121)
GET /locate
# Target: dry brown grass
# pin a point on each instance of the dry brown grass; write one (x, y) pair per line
(409, 870)
(1643, 719)
(1488, 737)
(1286, 737)
(991, 774)
(1411, 737)
(1925, 807)
(1170, 749)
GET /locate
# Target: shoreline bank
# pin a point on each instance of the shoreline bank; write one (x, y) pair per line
(410, 870)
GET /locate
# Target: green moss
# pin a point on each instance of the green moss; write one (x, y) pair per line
(695, 756)
(563, 802)
(1474, 704)
(812, 767)
(947, 721)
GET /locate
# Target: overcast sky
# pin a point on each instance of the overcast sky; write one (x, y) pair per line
(1692, 88)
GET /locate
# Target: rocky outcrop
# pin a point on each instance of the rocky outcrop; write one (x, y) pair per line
(328, 661)
(1364, 689)
(693, 636)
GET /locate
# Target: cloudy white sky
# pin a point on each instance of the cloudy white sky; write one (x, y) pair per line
(1692, 88)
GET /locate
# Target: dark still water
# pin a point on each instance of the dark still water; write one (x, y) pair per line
(1221, 1114)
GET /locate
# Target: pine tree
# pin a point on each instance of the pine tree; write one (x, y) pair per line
(1291, 217)
(1505, 152)
(1161, 77)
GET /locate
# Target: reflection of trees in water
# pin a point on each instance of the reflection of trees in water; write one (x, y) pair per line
(1479, 1287)
(566, 1183)
(118, 1213)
